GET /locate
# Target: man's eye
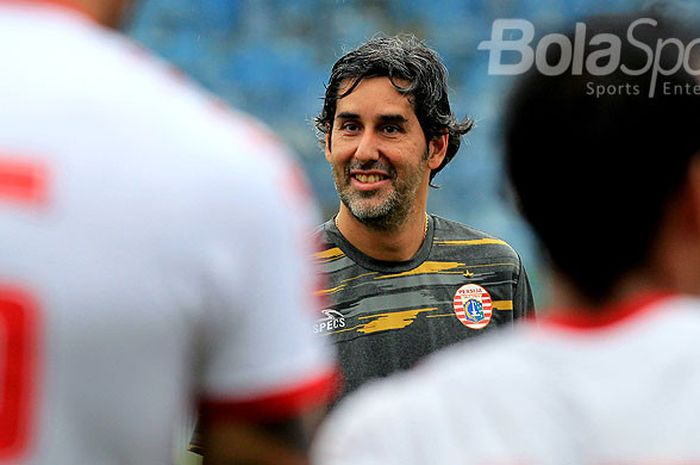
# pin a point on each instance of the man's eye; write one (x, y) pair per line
(352, 127)
(391, 129)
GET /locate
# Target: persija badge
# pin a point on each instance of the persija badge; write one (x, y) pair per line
(473, 307)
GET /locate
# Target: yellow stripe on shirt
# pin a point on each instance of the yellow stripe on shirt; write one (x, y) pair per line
(425, 268)
(329, 254)
(486, 241)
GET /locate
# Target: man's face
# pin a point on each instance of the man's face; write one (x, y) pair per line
(378, 153)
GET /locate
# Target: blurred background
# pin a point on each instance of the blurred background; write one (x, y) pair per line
(272, 58)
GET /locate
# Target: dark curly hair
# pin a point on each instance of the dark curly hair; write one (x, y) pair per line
(405, 58)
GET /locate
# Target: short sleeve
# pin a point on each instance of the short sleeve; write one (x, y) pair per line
(523, 300)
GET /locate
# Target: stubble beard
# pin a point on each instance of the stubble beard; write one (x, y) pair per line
(386, 215)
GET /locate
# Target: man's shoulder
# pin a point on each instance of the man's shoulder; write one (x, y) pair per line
(453, 234)
(322, 229)
(454, 230)
(328, 243)
(323, 237)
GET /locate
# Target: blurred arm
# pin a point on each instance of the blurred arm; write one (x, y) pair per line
(282, 442)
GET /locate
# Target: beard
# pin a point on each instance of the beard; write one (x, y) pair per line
(380, 210)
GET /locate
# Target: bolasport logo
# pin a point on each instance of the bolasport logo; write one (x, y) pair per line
(513, 38)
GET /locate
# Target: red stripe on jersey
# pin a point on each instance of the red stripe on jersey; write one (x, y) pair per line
(587, 319)
(23, 180)
(278, 405)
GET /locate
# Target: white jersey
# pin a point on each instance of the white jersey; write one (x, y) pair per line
(621, 389)
(154, 252)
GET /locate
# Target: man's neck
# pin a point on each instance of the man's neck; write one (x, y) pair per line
(397, 245)
(568, 302)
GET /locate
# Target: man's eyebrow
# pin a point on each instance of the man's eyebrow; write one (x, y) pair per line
(397, 118)
(392, 118)
(347, 115)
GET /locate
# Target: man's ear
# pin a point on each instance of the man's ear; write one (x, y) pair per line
(694, 193)
(327, 146)
(437, 148)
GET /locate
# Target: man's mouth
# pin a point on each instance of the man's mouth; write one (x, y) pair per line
(369, 181)
(370, 178)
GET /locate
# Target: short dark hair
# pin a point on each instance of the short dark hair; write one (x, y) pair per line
(594, 174)
(401, 57)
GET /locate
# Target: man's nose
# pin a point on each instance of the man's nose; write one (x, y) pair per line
(367, 148)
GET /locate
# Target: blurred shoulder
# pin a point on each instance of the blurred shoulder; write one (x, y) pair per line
(419, 416)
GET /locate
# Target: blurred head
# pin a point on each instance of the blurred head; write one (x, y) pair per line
(110, 13)
(594, 160)
(415, 71)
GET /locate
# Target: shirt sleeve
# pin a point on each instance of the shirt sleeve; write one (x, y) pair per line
(523, 300)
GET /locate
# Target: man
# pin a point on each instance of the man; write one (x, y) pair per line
(153, 255)
(402, 283)
(611, 184)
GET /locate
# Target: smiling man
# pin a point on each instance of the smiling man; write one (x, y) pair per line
(402, 283)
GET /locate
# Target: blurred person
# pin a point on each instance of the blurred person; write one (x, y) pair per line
(154, 255)
(402, 283)
(611, 185)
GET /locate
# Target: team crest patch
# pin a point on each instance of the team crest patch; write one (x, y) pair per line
(472, 305)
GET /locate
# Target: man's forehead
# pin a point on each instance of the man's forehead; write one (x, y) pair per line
(347, 83)
(376, 95)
